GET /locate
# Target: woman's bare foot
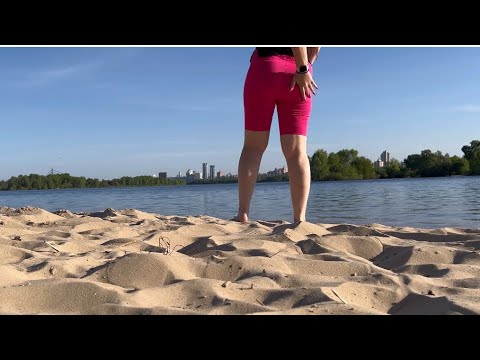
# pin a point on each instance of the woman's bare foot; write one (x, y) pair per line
(242, 218)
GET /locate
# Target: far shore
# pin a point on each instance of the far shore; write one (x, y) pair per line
(235, 182)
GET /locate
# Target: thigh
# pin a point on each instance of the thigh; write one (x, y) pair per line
(258, 98)
(294, 113)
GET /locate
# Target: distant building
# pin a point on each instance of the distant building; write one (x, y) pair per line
(220, 174)
(279, 171)
(162, 175)
(212, 171)
(189, 175)
(385, 157)
(192, 176)
(179, 175)
(205, 171)
(378, 164)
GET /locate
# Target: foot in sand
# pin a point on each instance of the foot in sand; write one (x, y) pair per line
(241, 217)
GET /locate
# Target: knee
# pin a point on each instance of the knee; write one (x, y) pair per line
(294, 155)
(255, 148)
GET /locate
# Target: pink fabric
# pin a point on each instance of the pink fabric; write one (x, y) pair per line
(268, 85)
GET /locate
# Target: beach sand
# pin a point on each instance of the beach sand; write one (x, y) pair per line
(132, 262)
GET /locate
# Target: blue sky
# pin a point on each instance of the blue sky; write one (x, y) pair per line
(109, 112)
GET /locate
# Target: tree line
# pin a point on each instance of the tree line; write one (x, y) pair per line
(348, 165)
(66, 181)
(345, 164)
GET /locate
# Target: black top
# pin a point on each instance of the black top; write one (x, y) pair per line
(270, 51)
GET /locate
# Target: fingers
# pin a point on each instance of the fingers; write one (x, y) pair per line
(306, 87)
(308, 91)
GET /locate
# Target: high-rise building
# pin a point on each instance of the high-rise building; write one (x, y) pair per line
(385, 157)
(378, 164)
(162, 175)
(205, 171)
(212, 171)
(220, 174)
(192, 175)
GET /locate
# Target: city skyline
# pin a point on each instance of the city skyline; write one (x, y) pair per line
(112, 112)
(382, 160)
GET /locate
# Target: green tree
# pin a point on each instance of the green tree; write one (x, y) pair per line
(336, 167)
(428, 163)
(79, 182)
(364, 168)
(347, 156)
(469, 150)
(320, 167)
(393, 169)
(460, 166)
(347, 168)
(472, 154)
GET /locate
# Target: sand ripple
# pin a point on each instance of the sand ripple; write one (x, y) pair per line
(132, 262)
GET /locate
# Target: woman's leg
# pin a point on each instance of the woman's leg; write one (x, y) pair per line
(259, 105)
(254, 146)
(293, 115)
(294, 148)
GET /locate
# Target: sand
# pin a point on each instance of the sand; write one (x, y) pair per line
(132, 262)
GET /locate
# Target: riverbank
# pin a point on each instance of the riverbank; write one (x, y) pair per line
(132, 262)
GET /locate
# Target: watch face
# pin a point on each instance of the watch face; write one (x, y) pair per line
(303, 69)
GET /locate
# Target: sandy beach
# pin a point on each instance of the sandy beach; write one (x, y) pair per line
(132, 262)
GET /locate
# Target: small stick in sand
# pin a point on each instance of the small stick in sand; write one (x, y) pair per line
(53, 247)
(339, 297)
(247, 288)
(261, 303)
(278, 252)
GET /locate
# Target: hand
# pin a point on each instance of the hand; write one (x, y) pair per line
(305, 83)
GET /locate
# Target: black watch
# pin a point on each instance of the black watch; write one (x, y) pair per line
(303, 69)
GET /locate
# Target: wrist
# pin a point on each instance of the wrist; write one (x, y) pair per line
(302, 69)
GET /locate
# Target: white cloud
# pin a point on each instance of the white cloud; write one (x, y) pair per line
(46, 76)
(467, 108)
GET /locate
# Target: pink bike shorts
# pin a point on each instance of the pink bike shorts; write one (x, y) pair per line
(268, 85)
